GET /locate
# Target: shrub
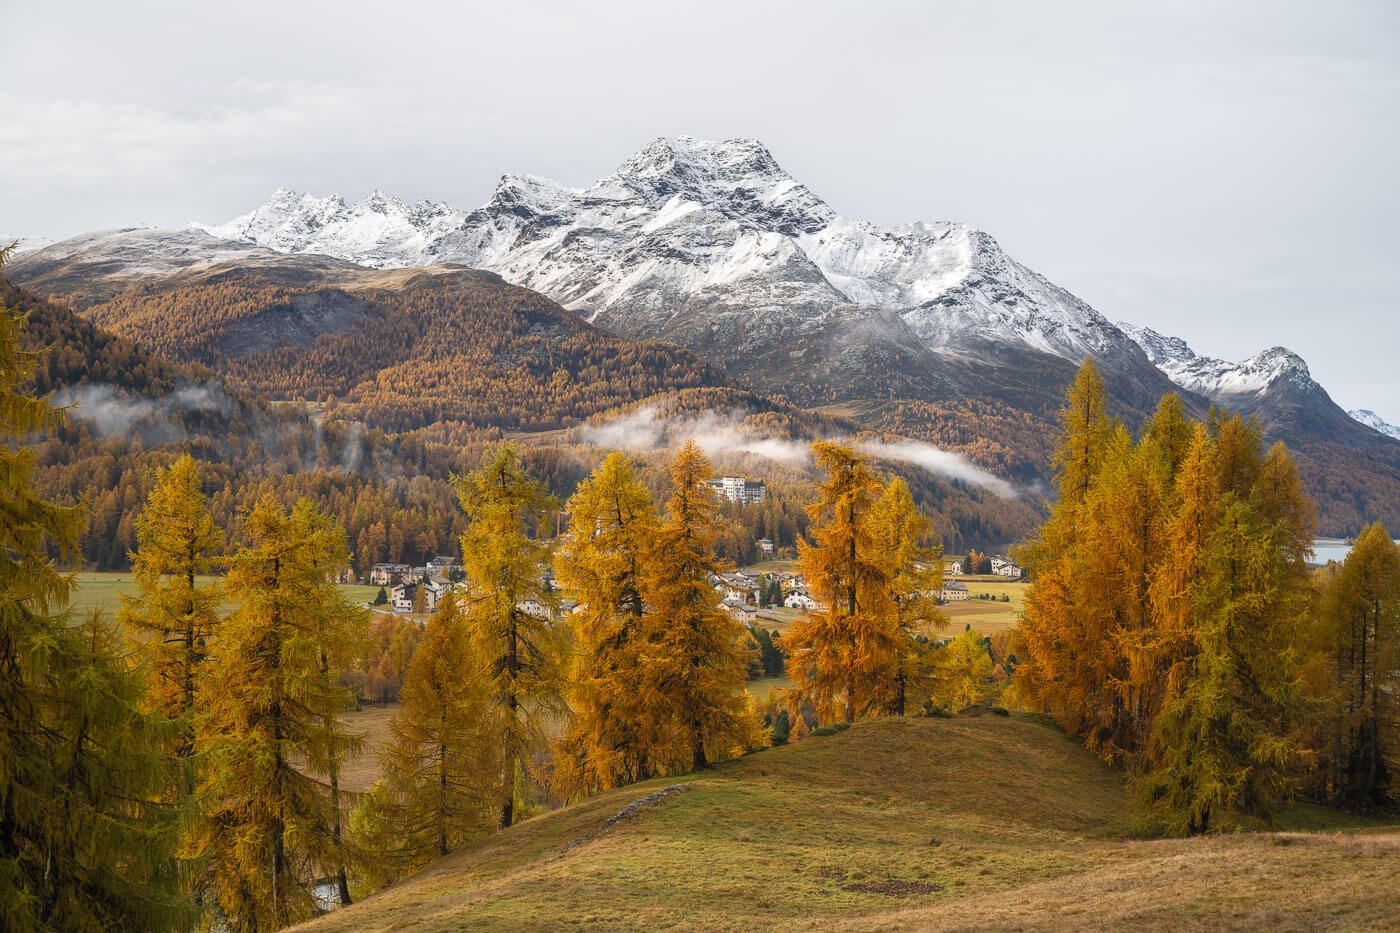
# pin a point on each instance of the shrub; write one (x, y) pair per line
(832, 729)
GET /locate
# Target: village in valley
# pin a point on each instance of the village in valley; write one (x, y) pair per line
(975, 592)
(981, 592)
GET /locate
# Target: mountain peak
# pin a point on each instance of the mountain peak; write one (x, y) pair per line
(1280, 360)
(516, 192)
(670, 156)
(720, 227)
(1375, 422)
(1219, 380)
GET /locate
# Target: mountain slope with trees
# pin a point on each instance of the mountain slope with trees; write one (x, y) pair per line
(401, 350)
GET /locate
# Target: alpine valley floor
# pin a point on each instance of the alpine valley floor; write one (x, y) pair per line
(974, 822)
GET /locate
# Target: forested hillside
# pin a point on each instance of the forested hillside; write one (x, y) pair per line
(402, 350)
(404, 378)
(135, 410)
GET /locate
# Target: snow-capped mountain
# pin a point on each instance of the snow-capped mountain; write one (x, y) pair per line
(379, 231)
(1275, 386)
(1220, 380)
(713, 245)
(1375, 422)
(94, 266)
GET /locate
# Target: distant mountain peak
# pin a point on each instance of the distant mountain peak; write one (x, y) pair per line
(1375, 422)
(1221, 380)
(1159, 347)
(532, 192)
(379, 230)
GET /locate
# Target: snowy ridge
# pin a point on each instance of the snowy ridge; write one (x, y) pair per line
(1219, 380)
(24, 244)
(686, 228)
(379, 231)
(1375, 422)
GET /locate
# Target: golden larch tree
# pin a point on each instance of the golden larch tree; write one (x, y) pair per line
(440, 764)
(844, 656)
(1224, 748)
(616, 735)
(1359, 618)
(1059, 638)
(1178, 575)
(960, 673)
(266, 716)
(698, 658)
(506, 556)
(899, 534)
(173, 614)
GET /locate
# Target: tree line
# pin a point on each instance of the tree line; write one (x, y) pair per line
(1174, 625)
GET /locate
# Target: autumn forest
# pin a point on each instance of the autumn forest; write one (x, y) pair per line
(179, 762)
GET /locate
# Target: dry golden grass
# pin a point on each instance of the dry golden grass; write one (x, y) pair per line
(360, 773)
(104, 591)
(897, 824)
(1257, 881)
(986, 617)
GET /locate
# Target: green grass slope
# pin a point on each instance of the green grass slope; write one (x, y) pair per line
(913, 824)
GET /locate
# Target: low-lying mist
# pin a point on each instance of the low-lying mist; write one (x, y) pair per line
(114, 413)
(718, 434)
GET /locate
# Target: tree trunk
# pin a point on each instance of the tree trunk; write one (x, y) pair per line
(442, 791)
(698, 761)
(342, 883)
(508, 760)
(507, 789)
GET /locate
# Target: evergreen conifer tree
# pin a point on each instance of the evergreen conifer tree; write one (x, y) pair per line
(84, 844)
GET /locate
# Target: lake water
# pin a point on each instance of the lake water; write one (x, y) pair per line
(1325, 549)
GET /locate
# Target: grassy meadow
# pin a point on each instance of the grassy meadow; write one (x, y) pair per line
(986, 617)
(963, 823)
(372, 722)
(104, 591)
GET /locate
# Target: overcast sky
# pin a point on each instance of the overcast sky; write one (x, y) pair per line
(1225, 172)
